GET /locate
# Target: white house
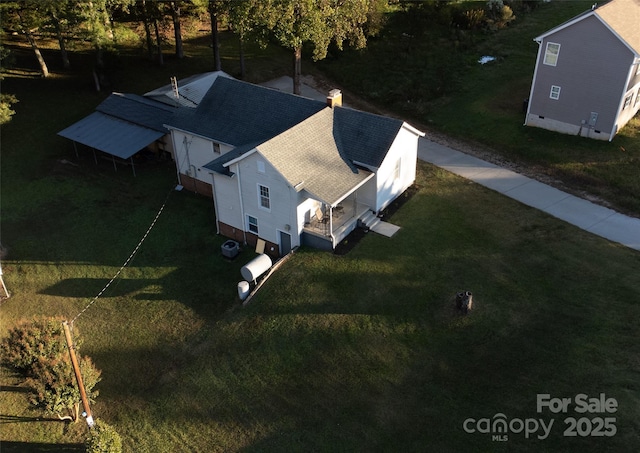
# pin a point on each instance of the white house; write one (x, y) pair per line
(287, 169)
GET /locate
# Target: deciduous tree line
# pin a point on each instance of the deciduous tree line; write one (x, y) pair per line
(291, 23)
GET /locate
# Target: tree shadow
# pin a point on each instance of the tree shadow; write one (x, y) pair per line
(21, 419)
(14, 388)
(36, 447)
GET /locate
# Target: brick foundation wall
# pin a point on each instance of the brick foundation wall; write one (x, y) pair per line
(195, 185)
(238, 235)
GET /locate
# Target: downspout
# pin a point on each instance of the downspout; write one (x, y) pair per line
(215, 204)
(614, 130)
(177, 158)
(242, 219)
(533, 82)
(333, 238)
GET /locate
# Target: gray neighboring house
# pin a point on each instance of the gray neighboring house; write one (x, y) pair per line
(587, 75)
(289, 170)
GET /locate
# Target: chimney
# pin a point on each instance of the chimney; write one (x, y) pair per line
(334, 98)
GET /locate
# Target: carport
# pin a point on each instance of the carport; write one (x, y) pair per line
(121, 126)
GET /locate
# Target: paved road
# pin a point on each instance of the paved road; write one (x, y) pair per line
(591, 217)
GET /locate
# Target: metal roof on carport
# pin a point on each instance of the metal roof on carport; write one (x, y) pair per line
(111, 135)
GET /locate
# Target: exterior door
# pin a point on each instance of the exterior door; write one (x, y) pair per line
(285, 243)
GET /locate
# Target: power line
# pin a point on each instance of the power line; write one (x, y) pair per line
(126, 262)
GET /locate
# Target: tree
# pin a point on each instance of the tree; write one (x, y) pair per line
(242, 21)
(61, 16)
(175, 16)
(318, 22)
(54, 386)
(6, 101)
(97, 17)
(6, 112)
(38, 350)
(216, 7)
(26, 16)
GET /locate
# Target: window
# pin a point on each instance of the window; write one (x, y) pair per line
(396, 170)
(555, 92)
(216, 148)
(260, 166)
(253, 224)
(637, 99)
(263, 195)
(551, 54)
(627, 101)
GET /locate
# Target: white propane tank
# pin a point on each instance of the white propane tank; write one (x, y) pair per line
(243, 290)
(256, 267)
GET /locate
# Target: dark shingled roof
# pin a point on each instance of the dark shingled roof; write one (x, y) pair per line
(137, 110)
(363, 137)
(237, 113)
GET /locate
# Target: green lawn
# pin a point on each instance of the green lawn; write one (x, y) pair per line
(361, 352)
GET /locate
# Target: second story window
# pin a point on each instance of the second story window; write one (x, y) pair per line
(263, 193)
(551, 54)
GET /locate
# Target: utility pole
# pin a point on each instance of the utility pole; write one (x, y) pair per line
(76, 370)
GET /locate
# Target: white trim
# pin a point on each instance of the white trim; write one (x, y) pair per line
(260, 196)
(410, 128)
(555, 93)
(614, 130)
(533, 82)
(568, 23)
(239, 158)
(546, 53)
(248, 224)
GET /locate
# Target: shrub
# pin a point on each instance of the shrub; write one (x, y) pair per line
(103, 438)
(37, 349)
(30, 341)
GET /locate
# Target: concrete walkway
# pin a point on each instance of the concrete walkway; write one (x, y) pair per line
(591, 217)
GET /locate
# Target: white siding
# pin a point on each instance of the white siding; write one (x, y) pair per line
(192, 153)
(227, 201)
(283, 199)
(404, 148)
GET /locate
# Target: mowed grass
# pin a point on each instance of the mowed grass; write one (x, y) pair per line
(361, 352)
